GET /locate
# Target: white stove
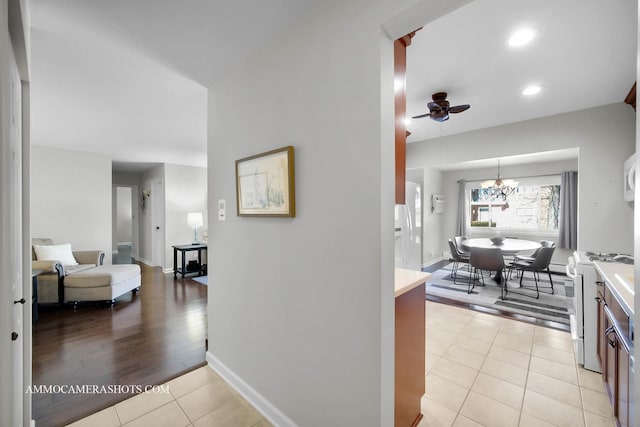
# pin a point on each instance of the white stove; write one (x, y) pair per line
(607, 257)
(584, 324)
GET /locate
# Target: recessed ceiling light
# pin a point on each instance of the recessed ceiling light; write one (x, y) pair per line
(531, 90)
(407, 121)
(522, 37)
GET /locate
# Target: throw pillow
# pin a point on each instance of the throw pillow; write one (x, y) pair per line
(60, 253)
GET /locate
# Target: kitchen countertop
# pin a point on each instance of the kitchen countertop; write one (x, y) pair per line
(620, 278)
(405, 280)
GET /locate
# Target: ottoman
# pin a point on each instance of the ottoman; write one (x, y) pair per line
(102, 283)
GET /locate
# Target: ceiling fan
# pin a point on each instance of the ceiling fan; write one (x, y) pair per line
(439, 109)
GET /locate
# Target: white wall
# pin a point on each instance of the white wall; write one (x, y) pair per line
(185, 191)
(310, 298)
(71, 198)
(605, 137)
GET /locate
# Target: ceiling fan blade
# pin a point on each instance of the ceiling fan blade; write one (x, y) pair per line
(459, 108)
(421, 116)
(434, 106)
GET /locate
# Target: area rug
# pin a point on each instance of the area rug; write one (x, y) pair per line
(556, 307)
(201, 279)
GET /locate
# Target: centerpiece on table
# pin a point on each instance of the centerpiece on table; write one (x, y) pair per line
(497, 238)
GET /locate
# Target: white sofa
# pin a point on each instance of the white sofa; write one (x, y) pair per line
(89, 280)
(53, 271)
(102, 283)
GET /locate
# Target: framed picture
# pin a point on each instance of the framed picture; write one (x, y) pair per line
(265, 184)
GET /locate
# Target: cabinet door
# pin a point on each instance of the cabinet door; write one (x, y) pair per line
(622, 386)
(601, 343)
(611, 342)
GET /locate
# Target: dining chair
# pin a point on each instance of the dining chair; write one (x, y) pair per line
(532, 257)
(487, 259)
(458, 241)
(456, 258)
(539, 264)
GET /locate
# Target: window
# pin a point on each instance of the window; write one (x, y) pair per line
(534, 205)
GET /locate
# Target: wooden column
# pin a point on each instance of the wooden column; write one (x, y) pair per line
(631, 97)
(400, 74)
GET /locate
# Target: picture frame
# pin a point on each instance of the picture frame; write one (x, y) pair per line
(265, 184)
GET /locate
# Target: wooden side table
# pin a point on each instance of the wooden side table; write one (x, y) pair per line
(183, 249)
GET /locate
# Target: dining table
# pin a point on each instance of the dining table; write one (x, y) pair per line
(508, 246)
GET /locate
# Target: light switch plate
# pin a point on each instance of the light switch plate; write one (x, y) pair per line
(222, 209)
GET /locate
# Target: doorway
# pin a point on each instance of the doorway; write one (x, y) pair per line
(125, 224)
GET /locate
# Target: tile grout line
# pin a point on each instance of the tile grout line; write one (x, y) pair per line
(526, 380)
(472, 383)
(529, 364)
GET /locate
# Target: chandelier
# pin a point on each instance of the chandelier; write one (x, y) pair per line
(500, 188)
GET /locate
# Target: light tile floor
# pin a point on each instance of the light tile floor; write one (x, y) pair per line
(199, 398)
(484, 370)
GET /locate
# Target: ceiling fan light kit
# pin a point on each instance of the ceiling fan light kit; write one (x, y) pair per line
(440, 108)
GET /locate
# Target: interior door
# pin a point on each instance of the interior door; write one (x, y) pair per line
(11, 293)
(16, 243)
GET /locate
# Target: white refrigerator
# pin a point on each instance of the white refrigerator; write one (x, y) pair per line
(408, 234)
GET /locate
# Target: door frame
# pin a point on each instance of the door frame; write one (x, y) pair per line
(16, 230)
(157, 223)
(135, 216)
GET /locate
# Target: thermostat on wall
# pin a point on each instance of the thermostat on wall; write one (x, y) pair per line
(437, 203)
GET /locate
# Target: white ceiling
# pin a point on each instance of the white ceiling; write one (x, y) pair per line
(128, 78)
(584, 56)
(541, 157)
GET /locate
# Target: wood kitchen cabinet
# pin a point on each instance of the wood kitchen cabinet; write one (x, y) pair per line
(622, 385)
(600, 345)
(409, 346)
(614, 342)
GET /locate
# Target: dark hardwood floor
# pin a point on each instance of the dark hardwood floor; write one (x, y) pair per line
(145, 339)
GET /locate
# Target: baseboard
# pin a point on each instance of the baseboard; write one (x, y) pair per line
(258, 401)
(144, 261)
(433, 261)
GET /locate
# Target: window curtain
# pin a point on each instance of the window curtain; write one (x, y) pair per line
(461, 224)
(568, 227)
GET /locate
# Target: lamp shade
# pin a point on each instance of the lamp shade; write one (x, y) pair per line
(194, 219)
